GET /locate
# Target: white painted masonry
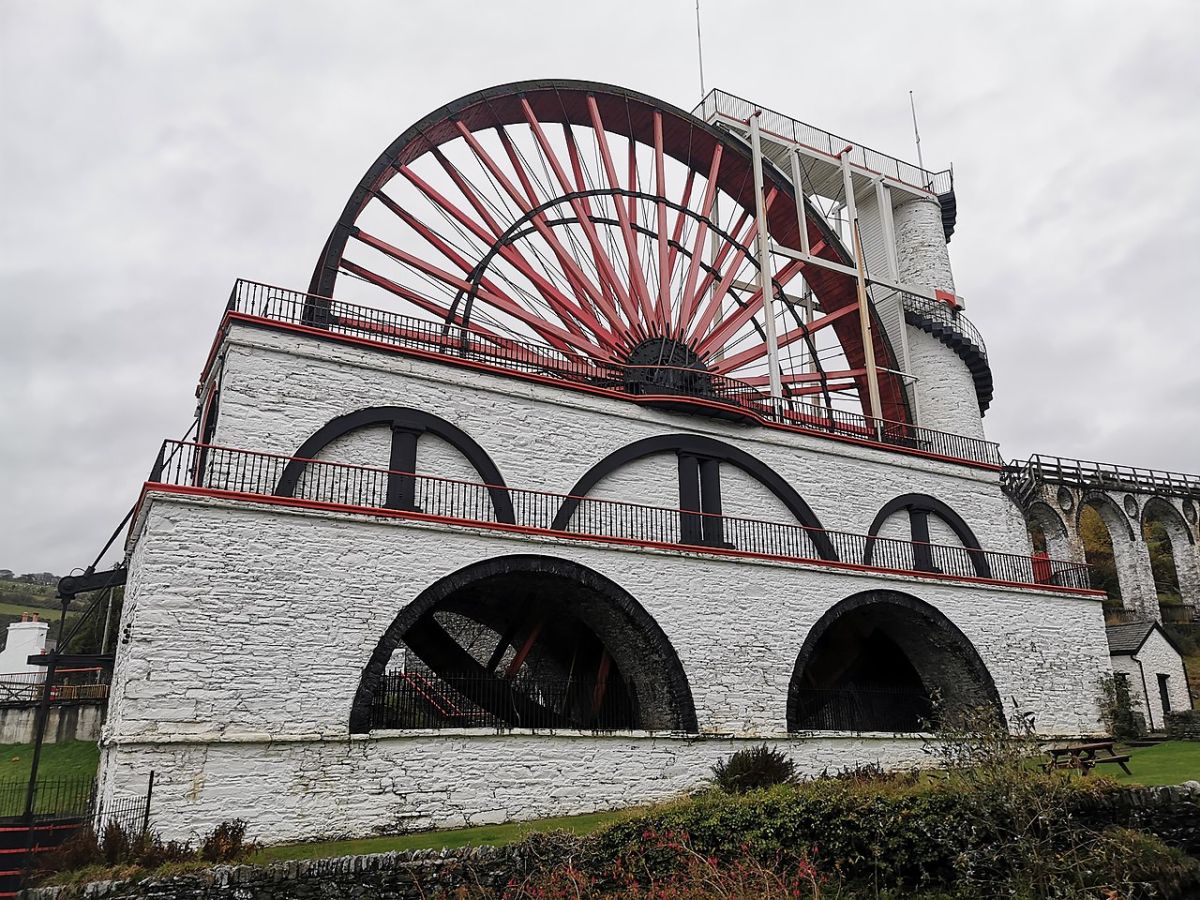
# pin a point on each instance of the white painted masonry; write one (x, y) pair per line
(246, 628)
(279, 388)
(945, 389)
(1156, 657)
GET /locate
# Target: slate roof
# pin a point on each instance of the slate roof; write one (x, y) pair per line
(1124, 640)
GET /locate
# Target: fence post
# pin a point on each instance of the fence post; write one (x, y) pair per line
(146, 812)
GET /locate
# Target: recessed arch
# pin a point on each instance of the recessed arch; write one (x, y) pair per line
(919, 507)
(411, 422)
(709, 448)
(1110, 512)
(1177, 571)
(511, 586)
(1163, 510)
(855, 636)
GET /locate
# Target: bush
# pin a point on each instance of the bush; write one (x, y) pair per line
(226, 843)
(1012, 834)
(130, 851)
(1118, 709)
(752, 769)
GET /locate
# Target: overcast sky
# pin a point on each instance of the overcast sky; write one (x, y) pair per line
(150, 153)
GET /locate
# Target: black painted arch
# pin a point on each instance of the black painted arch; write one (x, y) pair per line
(712, 449)
(933, 621)
(924, 503)
(676, 681)
(401, 417)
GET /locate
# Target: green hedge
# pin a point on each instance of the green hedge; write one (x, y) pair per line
(1011, 835)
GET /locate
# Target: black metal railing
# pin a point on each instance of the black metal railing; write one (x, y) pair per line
(724, 396)
(69, 685)
(1021, 478)
(423, 700)
(863, 709)
(784, 126)
(262, 474)
(947, 315)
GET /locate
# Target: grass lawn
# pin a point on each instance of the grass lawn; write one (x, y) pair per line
(72, 759)
(494, 835)
(1173, 762)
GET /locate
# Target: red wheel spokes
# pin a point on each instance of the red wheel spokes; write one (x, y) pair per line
(551, 238)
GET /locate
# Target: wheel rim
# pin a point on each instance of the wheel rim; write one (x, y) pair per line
(600, 222)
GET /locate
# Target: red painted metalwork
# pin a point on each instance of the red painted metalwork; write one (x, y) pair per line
(548, 239)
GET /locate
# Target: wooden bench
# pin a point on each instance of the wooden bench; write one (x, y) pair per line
(1084, 757)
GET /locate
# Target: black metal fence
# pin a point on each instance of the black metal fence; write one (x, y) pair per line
(900, 710)
(62, 809)
(362, 487)
(422, 699)
(455, 343)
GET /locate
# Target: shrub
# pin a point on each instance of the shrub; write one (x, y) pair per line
(226, 843)
(1118, 709)
(752, 769)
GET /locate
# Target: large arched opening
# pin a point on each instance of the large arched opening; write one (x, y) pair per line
(1108, 549)
(887, 661)
(524, 642)
(1173, 560)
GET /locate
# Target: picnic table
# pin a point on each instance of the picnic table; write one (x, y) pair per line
(1085, 757)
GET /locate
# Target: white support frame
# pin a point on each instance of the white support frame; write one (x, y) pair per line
(765, 276)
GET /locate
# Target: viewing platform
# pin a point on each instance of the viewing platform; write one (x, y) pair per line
(292, 481)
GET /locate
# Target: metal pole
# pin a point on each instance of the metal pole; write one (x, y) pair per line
(107, 622)
(765, 279)
(43, 714)
(801, 214)
(864, 308)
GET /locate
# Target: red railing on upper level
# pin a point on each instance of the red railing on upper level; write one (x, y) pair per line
(205, 468)
(715, 393)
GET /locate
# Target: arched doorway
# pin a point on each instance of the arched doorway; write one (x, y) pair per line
(886, 661)
(524, 642)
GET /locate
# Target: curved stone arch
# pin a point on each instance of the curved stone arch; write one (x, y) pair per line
(1183, 545)
(710, 448)
(413, 421)
(1051, 522)
(924, 505)
(1166, 512)
(919, 628)
(646, 639)
(1113, 516)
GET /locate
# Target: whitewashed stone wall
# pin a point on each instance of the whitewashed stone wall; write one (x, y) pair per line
(292, 790)
(945, 389)
(246, 628)
(1158, 657)
(278, 389)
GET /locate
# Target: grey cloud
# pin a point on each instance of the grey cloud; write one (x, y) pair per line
(150, 157)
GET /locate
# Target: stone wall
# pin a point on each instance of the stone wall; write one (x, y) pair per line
(1184, 726)
(944, 386)
(279, 388)
(1171, 813)
(76, 721)
(246, 629)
